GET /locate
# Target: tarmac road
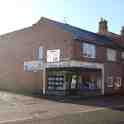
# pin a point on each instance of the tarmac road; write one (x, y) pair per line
(19, 109)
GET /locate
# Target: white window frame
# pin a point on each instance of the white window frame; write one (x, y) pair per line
(40, 53)
(122, 55)
(118, 82)
(88, 50)
(111, 54)
(110, 81)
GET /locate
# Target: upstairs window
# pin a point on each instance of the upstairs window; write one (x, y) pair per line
(111, 54)
(88, 50)
(40, 53)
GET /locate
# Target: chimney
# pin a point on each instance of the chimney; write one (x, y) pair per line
(122, 31)
(103, 28)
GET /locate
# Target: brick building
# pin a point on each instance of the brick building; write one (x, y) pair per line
(88, 62)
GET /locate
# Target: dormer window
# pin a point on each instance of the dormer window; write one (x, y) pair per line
(88, 50)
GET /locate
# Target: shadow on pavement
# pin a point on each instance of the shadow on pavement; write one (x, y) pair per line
(112, 102)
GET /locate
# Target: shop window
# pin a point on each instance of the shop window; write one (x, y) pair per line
(111, 54)
(88, 50)
(88, 85)
(110, 81)
(73, 82)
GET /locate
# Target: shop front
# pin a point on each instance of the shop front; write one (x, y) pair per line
(74, 79)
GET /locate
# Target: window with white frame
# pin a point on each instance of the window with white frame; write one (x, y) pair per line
(118, 82)
(109, 81)
(88, 50)
(40, 53)
(111, 54)
(122, 55)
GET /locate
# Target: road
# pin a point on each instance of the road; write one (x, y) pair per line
(20, 109)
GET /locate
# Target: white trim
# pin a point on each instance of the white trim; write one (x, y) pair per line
(73, 63)
(103, 81)
(44, 80)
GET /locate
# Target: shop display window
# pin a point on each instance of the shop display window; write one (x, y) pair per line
(55, 82)
(88, 85)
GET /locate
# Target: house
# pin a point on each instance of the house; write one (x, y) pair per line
(76, 61)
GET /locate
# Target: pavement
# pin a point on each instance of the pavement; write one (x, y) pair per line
(16, 108)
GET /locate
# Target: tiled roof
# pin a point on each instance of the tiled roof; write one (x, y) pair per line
(82, 34)
(115, 37)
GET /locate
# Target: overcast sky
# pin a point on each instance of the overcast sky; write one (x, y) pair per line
(17, 14)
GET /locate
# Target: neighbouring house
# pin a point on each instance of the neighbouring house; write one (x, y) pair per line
(76, 61)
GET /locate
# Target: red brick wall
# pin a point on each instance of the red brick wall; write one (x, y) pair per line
(111, 68)
(115, 70)
(20, 46)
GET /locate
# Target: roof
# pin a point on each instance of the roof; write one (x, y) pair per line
(115, 37)
(82, 34)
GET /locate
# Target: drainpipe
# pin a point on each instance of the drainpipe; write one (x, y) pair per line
(44, 79)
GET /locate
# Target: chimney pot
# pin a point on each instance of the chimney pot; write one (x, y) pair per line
(122, 31)
(103, 28)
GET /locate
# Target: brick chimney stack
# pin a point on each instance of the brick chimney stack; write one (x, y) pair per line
(122, 31)
(103, 28)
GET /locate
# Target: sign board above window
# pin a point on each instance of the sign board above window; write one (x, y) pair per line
(33, 66)
(53, 55)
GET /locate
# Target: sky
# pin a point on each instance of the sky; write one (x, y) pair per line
(17, 14)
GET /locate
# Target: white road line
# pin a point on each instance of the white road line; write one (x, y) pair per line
(101, 108)
(16, 120)
(89, 110)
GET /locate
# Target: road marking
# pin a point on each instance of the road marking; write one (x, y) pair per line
(16, 120)
(101, 108)
(89, 110)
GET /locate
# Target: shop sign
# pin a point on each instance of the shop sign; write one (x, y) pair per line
(33, 65)
(53, 55)
(82, 64)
